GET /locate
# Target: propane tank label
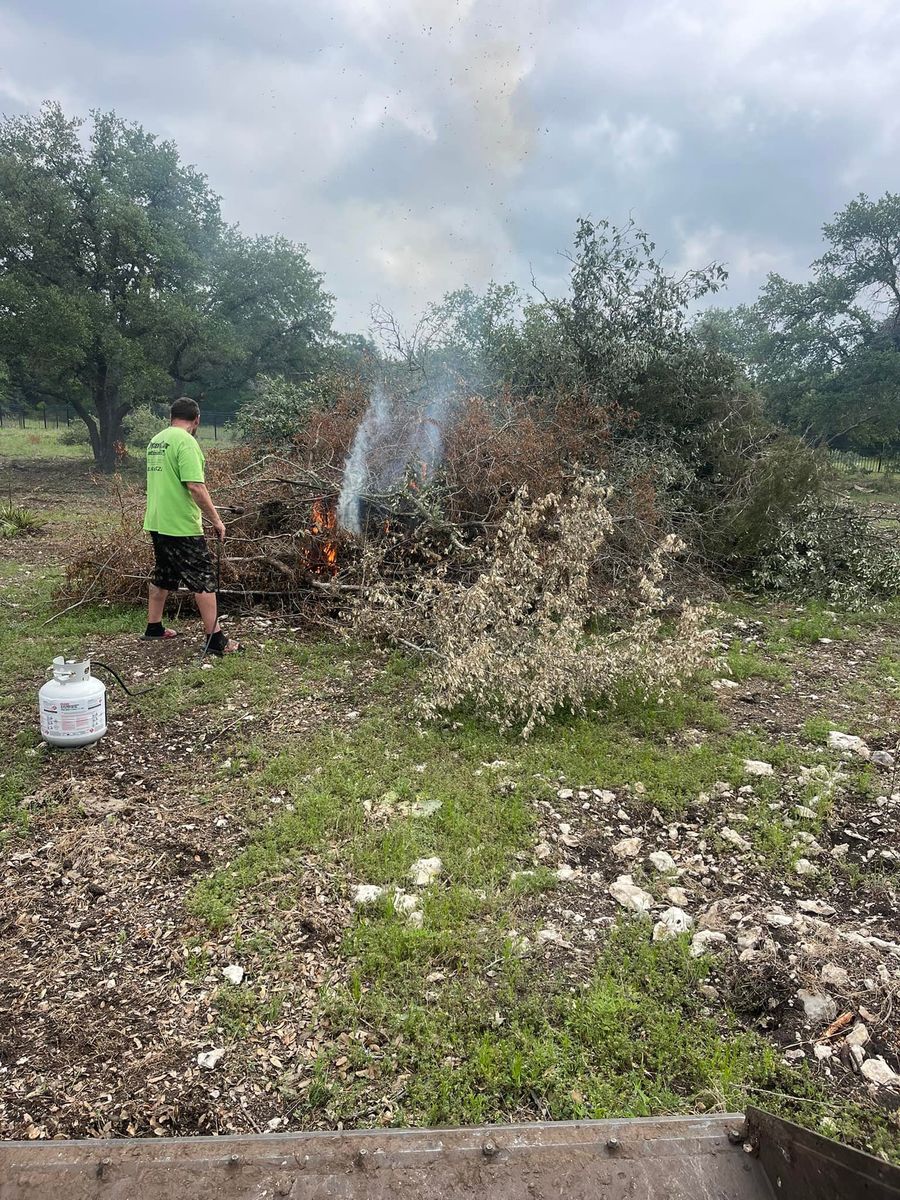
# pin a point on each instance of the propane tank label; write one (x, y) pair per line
(73, 716)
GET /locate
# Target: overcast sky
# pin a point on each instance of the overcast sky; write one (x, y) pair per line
(417, 145)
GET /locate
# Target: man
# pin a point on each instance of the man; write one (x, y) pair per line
(176, 498)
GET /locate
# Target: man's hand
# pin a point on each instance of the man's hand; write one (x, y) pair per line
(206, 506)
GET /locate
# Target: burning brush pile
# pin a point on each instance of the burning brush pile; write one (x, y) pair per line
(524, 582)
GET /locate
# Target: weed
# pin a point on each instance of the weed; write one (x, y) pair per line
(17, 521)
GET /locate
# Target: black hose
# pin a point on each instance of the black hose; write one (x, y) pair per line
(121, 682)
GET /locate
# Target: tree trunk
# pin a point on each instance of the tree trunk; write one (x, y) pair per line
(109, 421)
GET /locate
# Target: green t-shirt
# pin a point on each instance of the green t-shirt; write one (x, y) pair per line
(173, 459)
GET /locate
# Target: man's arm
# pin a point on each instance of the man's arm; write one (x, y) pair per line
(204, 503)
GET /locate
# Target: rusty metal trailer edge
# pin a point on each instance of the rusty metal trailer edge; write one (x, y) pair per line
(752, 1157)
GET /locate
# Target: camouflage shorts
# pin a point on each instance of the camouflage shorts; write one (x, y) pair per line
(182, 560)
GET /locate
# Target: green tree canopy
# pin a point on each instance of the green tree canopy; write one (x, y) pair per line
(121, 284)
(826, 353)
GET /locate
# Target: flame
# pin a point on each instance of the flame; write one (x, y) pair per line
(323, 524)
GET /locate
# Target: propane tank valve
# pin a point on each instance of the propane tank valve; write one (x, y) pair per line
(72, 704)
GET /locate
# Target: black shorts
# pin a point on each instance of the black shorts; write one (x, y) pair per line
(182, 560)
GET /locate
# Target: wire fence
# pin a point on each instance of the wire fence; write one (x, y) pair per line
(213, 427)
(875, 464)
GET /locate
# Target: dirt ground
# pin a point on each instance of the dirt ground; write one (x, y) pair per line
(110, 983)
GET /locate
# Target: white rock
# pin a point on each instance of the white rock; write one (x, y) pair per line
(857, 1057)
(835, 976)
(883, 758)
(424, 808)
(662, 860)
(672, 922)
(542, 850)
(732, 836)
(703, 941)
(605, 796)
(819, 1007)
(724, 685)
(425, 871)
(416, 918)
(404, 903)
(678, 896)
(822, 1051)
(565, 873)
(234, 973)
(565, 793)
(629, 895)
(877, 1071)
(750, 938)
(210, 1059)
(818, 908)
(804, 867)
(753, 766)
(779, 920)
(847, 742)
(551, 934)
(628, 847)
(807, 814)
(858, 1035)
(367, 893)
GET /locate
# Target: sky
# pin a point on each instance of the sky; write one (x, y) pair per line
(415, 146)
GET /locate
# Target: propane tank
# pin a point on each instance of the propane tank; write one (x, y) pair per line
(72, 704)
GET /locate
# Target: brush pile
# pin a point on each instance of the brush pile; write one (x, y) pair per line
(287, 550)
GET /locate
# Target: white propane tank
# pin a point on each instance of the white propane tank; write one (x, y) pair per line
(72, 704)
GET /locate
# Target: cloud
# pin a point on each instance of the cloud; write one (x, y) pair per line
(415, 145)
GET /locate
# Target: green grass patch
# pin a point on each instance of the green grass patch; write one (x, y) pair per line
(498, 1042)
(745, 662)
(37, 442)
(815, 623)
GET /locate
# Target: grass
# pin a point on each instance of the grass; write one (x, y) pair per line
(745, 662)
(37, 442)
(483, 815)
(486, 1042)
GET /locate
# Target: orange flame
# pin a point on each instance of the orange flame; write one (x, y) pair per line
(323, 523)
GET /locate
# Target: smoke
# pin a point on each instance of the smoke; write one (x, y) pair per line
(395, 439)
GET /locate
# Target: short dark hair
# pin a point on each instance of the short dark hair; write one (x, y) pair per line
(184, 409)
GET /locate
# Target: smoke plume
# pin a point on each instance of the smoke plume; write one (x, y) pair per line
(395, 440)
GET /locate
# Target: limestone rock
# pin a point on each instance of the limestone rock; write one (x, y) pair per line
(628, 847)
(704, 940)
(662, 861)
(672, 922)
(425, 871)
(819, 1007)
(877, 1071)
(626, 892)
(753, 766)
(847, 743)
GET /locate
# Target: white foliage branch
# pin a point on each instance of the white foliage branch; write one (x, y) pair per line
(538, 631)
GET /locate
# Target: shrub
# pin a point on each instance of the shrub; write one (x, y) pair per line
(541, 628)
(278, 413)
(75, 434)
(141, 424)
(828, 550)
